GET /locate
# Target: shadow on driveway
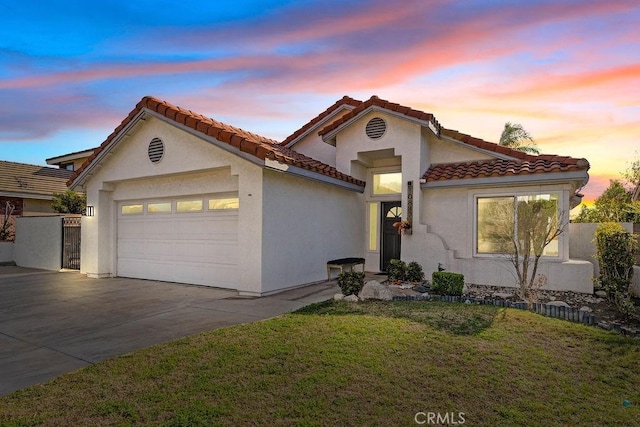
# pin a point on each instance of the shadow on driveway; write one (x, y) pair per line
(56, 322)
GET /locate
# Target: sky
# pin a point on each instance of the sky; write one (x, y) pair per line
(567, 71)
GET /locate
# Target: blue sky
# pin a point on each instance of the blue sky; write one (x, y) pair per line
(568, 71)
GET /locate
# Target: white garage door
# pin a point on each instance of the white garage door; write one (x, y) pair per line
(190, 240)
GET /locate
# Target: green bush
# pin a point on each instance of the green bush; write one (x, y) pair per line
(396, 270)
(414, 272)
(351, 282)
(447, 283)
(615, 252)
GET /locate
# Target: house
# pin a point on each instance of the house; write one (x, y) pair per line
(71, 161)
(30, 188)
(182, 197)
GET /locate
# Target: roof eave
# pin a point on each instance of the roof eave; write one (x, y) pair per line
(330, 137)
(274, 165)
(315, 127)
(525, 179)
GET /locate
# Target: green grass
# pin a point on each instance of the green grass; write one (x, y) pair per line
(356, 364)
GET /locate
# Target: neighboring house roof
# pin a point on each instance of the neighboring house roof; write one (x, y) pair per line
(345, 102)
(70, 156)
(255, 145)
(31, 181)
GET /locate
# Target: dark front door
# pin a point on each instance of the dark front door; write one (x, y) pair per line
(391, 212)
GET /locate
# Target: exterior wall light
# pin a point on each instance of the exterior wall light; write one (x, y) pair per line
(89, 211)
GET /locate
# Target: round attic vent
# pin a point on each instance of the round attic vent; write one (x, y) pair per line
(376, 128)
(156, 150)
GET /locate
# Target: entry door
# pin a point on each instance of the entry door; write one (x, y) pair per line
(391, 212)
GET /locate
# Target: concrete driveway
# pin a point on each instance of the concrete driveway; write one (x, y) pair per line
(52, 323)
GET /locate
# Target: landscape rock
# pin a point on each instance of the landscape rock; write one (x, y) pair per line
(586, 309)
(558, 304)
(351, 298)
(375, 290)
(601, 294)
(338, 297)
(503, 295)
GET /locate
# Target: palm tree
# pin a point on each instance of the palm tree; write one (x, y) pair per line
(516, 137)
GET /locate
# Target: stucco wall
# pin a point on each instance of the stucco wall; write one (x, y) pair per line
(448, 151)
(190, 166)
(37, 205)
(305, 225)
(39, 242)
(581, 245)
(6, 252)
(446, 235)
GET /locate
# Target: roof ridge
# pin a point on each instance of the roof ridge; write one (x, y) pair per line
(387, 105)
(345, 100)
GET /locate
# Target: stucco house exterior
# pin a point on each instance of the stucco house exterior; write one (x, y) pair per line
(181, 197)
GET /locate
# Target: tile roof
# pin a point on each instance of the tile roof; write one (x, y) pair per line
(374, 101)
(32, 179)
(345, 100)
(247, 142)
(504, 167)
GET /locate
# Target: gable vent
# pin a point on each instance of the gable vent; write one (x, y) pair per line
(156, 150)
(376, 128)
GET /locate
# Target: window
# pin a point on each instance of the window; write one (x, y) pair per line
(226, 203)
(162, 207)
(131, 209)
(525, 219)
(373, 226)
(189, 206)
(67, 166)
(387, 183)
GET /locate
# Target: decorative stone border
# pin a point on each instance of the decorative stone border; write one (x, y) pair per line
(549, 310)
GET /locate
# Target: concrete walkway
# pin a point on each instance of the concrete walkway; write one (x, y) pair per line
(56, 322)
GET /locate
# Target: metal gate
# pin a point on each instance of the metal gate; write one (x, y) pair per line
(71, 243)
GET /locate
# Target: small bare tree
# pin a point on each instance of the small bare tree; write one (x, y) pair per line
(522, 230)
(7, 226)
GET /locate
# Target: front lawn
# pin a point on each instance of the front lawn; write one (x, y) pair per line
(371, 363)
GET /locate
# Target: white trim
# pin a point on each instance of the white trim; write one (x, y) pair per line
(68, 157)
(319, 124)
(305, 173)
(26, 195)
(330, 136)
(526, 179)
(562, 218)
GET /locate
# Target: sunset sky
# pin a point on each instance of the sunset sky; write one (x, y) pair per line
(568, 71)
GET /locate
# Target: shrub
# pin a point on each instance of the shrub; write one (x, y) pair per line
(414, 272)
(351, 282)
(447, 283)
(615, 252)
(396, 270)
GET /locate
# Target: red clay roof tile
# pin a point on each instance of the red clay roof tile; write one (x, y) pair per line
(248, 142)
(345, 100)
(503, 167)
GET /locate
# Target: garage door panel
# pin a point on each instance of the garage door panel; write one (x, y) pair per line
(199, 248)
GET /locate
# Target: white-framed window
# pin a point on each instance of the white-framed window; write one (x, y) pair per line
(132, 209)
(189, 206)
(159, 207)
(224, 203)
(387, 183)
(373, 226)
(524, 218)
